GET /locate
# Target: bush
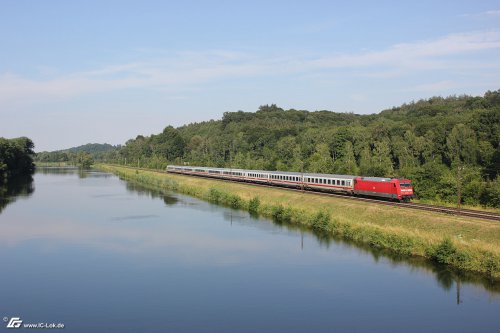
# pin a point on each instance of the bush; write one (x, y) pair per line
(253, 205)
(281, 214)
(214, 195)
(444, 252)
(321, 221)
(491, 264)
(233, 200)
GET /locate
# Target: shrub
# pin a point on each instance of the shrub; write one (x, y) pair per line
(214, 195)
(491, 264)
(444, 252)
(234, 201)
(321, 221)
(253, 205)
(281, 214)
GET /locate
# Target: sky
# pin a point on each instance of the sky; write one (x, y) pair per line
(77, 72)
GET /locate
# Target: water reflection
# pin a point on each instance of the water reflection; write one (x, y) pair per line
(16, 188)
(186, 265)
(446, 277)
(72, 171)
(136, 188)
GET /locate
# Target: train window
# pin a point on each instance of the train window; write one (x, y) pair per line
(343, 183)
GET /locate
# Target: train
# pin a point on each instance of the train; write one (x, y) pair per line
(397, 189)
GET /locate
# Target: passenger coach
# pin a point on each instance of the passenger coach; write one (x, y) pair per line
(389, 188)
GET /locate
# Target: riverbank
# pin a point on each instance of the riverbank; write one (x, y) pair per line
(463, 243)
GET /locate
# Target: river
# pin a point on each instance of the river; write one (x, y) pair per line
(99, 254)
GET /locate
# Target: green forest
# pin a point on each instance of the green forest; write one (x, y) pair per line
(83, 156)
(449, 147)
(16, 158)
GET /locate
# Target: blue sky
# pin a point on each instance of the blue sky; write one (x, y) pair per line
(73, 72)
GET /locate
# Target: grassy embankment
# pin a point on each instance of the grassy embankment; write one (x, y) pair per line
(464, 243)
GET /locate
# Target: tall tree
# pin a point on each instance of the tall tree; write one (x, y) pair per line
(462, 149)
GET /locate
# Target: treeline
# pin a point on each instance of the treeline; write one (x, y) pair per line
(83, 156)
(16, 158)
(449, 146)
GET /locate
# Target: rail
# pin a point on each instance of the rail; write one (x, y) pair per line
(420, 206)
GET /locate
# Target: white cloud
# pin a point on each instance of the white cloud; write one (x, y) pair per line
(422, 54)
(444, 85)
(485, 14)
(176, 73)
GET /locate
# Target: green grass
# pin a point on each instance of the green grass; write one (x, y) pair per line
(464, 243)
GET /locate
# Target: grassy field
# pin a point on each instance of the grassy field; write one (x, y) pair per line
(465, 243)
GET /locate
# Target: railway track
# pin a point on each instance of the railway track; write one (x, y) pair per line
(425, 207)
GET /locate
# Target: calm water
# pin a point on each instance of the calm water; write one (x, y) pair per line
(102, 255)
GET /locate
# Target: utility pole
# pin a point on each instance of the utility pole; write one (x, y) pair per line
(302, 175)
(459, 185)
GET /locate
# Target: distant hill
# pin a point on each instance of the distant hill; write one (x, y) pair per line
(98, 151)
(93, 148)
